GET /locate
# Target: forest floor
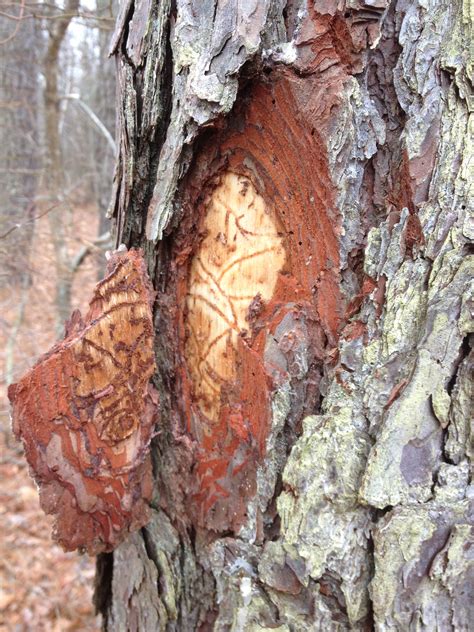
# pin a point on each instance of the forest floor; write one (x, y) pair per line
(42, 588)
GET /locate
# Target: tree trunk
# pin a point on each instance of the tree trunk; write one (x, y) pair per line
(19, 162)
(19, 171)
(54, 172)
(297, 177)
(105, 107)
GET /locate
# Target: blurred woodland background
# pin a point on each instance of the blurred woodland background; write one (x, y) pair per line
(57, 118)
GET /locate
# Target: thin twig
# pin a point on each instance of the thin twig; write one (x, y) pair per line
(94, 118)
(15, 30)
(36, 217)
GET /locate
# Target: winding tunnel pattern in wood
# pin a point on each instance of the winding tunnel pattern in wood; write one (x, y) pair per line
(238, 262)
(85, 413)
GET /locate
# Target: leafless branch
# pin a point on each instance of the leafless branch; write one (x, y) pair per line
(97, 245)
(94, 118)
(31, 220)
(15, 30)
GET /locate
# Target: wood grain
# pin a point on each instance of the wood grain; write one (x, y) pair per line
(237, 263)
(85, 413)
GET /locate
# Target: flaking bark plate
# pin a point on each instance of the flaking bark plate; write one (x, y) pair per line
(85, 414)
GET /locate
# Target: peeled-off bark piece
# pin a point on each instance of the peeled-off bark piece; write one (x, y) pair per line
(85, 414)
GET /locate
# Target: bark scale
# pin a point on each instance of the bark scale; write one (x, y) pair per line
(350, 119)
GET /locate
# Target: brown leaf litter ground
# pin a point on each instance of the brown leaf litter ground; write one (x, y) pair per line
(42, 588)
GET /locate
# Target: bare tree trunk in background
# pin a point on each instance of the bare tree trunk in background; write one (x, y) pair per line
(319, 481)
(106, 111)
(54, 173)
(19, 167)
(18, 143)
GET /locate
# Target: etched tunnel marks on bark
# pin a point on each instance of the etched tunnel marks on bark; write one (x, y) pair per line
(238, 260)
(85, 414)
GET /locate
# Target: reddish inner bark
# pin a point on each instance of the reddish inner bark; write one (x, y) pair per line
(279, 154)
(85, 413)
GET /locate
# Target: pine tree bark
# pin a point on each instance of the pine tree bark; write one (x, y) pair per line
(347, 121)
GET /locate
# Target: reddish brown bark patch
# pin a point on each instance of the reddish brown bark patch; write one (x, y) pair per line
(85, 414)
(271, 143)
(275, 138)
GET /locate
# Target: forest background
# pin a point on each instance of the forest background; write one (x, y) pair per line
(57, 119)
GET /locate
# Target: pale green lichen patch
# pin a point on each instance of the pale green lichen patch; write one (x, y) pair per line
(399, 387)
(405, 305)
(408, 451)
(417, 550)
(319, 514)
(441, 402)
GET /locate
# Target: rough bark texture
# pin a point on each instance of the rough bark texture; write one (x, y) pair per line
(350, 119)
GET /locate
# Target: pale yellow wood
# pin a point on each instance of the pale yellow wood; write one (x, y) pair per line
(238, 259)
